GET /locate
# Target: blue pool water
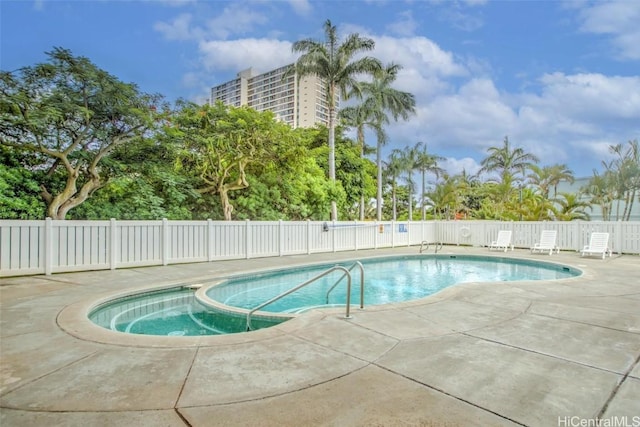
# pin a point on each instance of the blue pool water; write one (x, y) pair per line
(172, 312)
(178, 312)
(386, 281)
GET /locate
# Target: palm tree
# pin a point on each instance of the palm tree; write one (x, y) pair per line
(408, 159)
(393, 170)
(559, 173)
(360, 116)
(548, 177)
(444, 197)
(383, 100)
(472, 192)
(626, 172)
(335, 64)
(601, 191)
(426, 162)
(507, 162)
(572, 207)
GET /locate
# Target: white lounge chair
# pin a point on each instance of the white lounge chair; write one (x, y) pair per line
(502, 242)
(547, 242)
(598, 245)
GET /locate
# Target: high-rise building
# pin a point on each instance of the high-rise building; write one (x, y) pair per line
(300, 104)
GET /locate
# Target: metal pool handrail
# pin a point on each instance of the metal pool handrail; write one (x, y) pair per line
(359, 264)
(313, 279)
(424, 246)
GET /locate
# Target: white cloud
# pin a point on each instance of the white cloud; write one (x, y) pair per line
(404, 25)
(301, 7)
(476, 116)
(571, 119)
(418, 53)
(455, 166)
(562, 118)
(235, 19)
(619, 19)
(591, 96)
(460, 19)
(236, 55)
(179, 29)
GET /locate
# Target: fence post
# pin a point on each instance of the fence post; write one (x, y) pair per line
(334, 235)
(393, 234)
(113, 244)
(355, 235)
(308, 237)
(209, 240)
(618, 239)
(280, 238)
(165, 241)
(247, 236)
(48, 246)
(376, 230)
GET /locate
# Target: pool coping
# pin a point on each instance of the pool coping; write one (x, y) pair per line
(520, 353)
(74, 318)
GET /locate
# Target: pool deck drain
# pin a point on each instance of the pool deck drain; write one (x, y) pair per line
(533, 353)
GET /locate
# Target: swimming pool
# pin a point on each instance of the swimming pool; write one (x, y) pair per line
(387, 280)
(172, 312)
(221, 307)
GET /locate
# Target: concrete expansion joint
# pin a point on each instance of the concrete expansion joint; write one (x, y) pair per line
(182, 417)
(615, 390)
(36, 378)
(528, 350)
(595, 325)
(274, 395)
(451, 395)
(186, 378)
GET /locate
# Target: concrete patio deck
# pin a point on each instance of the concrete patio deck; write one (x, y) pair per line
(544, 353)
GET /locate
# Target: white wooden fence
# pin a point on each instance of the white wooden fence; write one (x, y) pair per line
(46, 247)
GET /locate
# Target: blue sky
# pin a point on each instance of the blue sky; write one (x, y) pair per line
(560, 79)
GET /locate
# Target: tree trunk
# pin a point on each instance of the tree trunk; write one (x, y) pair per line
(379, 195)
(70, 197)
(424, 212)
(223, 189)
(332, 148)
(227, 208)
(393, 196)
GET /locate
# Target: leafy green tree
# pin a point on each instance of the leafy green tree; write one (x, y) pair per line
(426, 162)
(572, 207)
(444, 197)
(221, 142)
(393, 169)
(601, 192)
(70, 115)
(355, 174)
(147, 186)
(409, 164)
(510, 163)
(19, 188)
(382, 100)
(338, 65)
(292, 186)
(548, 177)
(472, 193)
(395, 204)
(360, 117)
(625, 168)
